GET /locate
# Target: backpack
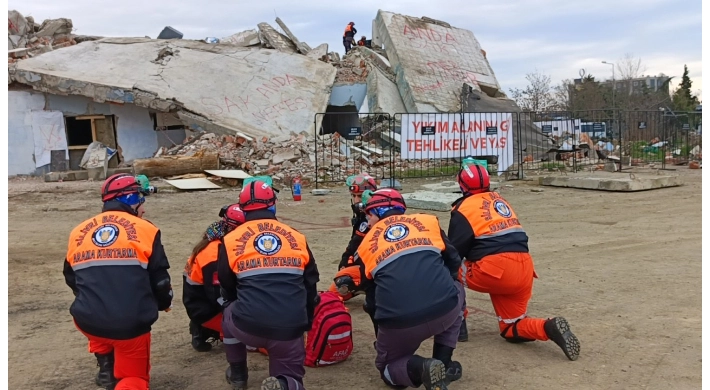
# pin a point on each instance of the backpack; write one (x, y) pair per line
(330, 339)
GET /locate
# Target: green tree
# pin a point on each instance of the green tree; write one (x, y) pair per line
(683, 99)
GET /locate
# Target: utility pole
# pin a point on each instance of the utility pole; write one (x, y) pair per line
(613, 84)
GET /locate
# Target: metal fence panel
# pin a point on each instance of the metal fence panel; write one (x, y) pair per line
(662, 137)
(351, 143)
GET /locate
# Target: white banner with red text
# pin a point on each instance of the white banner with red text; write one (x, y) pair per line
(441, 136)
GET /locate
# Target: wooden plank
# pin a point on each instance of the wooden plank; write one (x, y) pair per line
(84, 117)
(229, 173)
(193, 184)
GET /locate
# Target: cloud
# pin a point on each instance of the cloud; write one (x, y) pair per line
(557, 37)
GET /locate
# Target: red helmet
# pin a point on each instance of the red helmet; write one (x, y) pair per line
(256, 195)
(118, 185)
(358, 184)
(386, 197)
(474, 179)
(232, 215)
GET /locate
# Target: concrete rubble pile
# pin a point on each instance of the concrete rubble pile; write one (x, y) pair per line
(256, 91)
(26, 38)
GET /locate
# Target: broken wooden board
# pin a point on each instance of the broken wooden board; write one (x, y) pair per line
(187, 176)
(229, 173)
(193, 184)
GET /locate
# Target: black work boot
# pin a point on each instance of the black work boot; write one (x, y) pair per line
(428, 372)
(237, 375)
(199, 339)
(454, 371)
(105, 378)
(557, 329)
(463, 332)
(274, 383)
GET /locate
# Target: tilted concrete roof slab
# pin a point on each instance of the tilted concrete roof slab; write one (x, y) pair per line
(431, 60)
(218, 87)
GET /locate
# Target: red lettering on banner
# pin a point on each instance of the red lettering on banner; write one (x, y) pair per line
(445, 145)
(443, 127)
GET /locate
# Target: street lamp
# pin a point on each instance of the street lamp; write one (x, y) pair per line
(613, 84)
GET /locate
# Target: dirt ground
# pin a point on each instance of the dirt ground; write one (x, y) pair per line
(623, 268)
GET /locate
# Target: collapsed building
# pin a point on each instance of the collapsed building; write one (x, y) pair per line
(272, 101)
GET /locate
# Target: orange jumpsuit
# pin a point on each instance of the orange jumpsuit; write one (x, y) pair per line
(487, 233)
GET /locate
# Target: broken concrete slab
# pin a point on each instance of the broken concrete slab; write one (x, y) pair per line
(51, 27)
(320, 52)
(390, 183)
(320, 192)
(449, 187)
(432, 61)
(430, 200)
(302, 47)
(382, 94)
(229, 89)
(275, 39)
(243, 39)
(17, 53)
(623, 184)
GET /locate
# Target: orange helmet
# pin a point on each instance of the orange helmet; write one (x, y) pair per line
(256, 195)
(118, 185)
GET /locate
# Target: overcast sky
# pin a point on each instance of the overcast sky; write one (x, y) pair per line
(557, 37)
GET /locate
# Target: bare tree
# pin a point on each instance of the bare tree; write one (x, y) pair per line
(630, 67)
(537, 96)
(561, 95)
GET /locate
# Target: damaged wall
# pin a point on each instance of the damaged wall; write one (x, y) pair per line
(258, 92)
(432, 60)
(20, 146)
(348, 95)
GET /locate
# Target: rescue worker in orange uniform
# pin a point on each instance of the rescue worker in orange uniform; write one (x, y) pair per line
(118, 271)
(488, 235)
(268, 277)
(410, 272)
(357, 185)
(362, 41)
(349, 36)
(200, 286)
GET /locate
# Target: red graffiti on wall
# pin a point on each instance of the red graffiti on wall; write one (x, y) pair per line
(264, 102)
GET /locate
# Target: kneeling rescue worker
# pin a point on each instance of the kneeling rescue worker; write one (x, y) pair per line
(357, 185)
(118, 271)
(268, 277)
(410, 274)
(487, 233)
(200, 283)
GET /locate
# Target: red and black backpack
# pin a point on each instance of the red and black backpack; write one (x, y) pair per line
(330, 339)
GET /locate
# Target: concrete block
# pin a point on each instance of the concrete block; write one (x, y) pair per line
(623, 184)
(243, 39)
(449, 187)
(430, 200)
(320, 192)
(318, 52)
(432, 61)
(388, 183)
(249, 90)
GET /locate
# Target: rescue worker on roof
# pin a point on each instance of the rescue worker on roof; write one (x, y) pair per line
(349, 36)
(487, 233)
(357, 184)
(268, 277)
(362, 41)
(118, 271)
(410, 274)
(200, 286)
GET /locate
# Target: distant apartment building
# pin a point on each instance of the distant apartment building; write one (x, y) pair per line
(657, 83)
